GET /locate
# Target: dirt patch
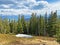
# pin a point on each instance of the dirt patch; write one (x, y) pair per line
(22, 43)
(15, 43)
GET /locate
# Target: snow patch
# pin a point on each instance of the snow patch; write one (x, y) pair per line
(24, 35)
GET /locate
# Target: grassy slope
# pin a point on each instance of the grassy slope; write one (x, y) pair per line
(6, 39)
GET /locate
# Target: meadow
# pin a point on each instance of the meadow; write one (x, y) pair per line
(8, 39)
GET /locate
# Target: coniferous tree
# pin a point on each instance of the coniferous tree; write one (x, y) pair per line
(41, 25)
(27, 27)
(23, 24)
(1, 25)
(6, 26)
(45, 24)
(58, 30)
(19, 26)
(33, 24)
(52, 24)
(11, 26)
(14, 26)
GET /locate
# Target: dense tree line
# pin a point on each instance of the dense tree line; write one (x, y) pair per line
(36, 25)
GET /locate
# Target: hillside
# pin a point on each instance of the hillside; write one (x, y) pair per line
(7, 39)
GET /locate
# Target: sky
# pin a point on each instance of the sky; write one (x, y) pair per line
(27, 7)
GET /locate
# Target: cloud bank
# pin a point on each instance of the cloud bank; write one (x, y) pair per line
(26, 7)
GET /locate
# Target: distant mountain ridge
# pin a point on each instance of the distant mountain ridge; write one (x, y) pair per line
(27, 17)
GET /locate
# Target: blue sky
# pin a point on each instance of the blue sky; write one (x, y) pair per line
(26, 7)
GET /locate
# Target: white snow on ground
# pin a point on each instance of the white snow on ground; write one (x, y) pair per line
(24, 35)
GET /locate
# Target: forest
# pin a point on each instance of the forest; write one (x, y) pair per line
(47, 25)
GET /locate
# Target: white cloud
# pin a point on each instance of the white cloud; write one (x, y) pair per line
(48, 7)
(55, 6)
(52, 7)
(5, 6)
(14, 11)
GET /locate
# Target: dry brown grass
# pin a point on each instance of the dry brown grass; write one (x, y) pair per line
(7, 39)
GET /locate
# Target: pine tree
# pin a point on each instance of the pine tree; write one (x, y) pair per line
(19, 26)
(27, 27)
(24, 24)
(14, 26)
(45, 24)
(52, 24)
(41, 25)
(58, 30)
(6, 25)
(33, 24)
(1, 25)
(11, 26)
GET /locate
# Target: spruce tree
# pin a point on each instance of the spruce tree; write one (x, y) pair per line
(58, 30)
(52, 24)
(23, 24)
(6, 25)
(45, 24)
(19, 26)
(41, 25)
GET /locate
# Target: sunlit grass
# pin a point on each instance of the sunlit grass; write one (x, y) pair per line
(8, 39)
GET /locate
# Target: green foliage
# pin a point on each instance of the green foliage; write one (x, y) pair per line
(41, 25)
(6, 26)
(19, 26)
(23, 24)
(33, 24)
(58, 36)
(58, 31)
(37, 25)
(52, 23)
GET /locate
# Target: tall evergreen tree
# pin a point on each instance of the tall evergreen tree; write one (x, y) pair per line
(11, 26)
(23, 24)
(41, 25)
(27, 27)
(14, 24)
(19, 26)
(58, 30)
(45, 24)
(33, 24)
(6, 25)
(1, 25)
(52, 24)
